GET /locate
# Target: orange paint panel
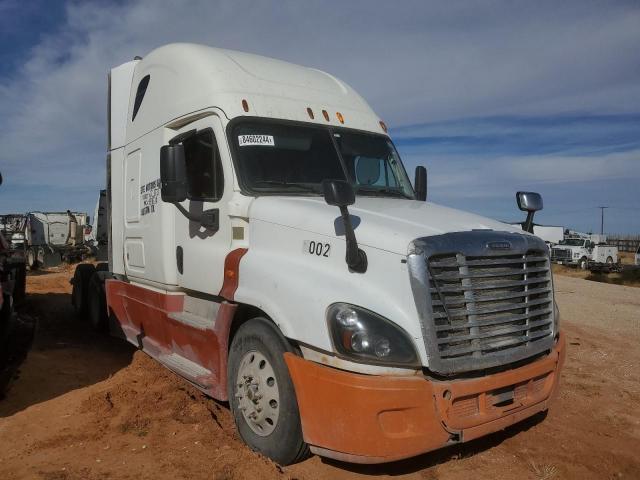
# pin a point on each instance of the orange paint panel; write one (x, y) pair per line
(143, 315)
(373, 419)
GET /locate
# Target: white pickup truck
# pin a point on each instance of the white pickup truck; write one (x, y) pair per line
(265, 243)
(582, 252)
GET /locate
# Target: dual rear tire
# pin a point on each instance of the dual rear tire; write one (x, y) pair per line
(88, 297)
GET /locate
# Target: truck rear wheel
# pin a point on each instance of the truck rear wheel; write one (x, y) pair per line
(97, 304)
(32, 260)
(261, 393)
(80, 291)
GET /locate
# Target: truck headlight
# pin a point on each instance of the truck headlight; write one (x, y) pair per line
(364, 336)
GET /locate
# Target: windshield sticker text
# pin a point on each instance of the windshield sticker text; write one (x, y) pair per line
(255, 140)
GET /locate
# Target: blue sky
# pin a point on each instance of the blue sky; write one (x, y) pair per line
(491, 96)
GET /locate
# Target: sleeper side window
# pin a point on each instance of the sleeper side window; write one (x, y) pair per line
(205, 180)
(142, 89)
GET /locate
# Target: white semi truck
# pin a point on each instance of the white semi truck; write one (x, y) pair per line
(266, 244)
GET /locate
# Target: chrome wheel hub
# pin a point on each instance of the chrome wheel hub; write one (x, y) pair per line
(257, 393)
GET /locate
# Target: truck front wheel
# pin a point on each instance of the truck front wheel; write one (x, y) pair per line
(609, 261)
(583, 264)
(261, 393)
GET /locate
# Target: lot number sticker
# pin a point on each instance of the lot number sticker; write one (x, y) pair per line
(319, 249)
(255, 140)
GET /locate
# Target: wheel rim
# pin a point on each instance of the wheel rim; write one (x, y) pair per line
(257, 393)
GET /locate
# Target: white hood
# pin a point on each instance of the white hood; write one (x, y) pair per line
(385, 223)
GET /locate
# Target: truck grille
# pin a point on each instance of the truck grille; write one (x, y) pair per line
(485, 298)
(485, 305)
(560, 254)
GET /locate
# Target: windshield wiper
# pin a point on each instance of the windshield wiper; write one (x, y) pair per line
(382, 191)
(282, 183)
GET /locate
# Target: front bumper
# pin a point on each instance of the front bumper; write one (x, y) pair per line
(374, 419)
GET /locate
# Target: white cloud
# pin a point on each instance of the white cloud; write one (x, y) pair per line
(416, 62)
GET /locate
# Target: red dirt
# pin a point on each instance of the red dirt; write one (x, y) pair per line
(90, 407)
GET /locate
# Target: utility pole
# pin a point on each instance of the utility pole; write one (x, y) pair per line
(602, 220)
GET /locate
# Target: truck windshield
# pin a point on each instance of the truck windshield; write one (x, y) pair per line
(572, 242)
(294, 159)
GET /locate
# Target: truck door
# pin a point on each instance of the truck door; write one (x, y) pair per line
(200, 252)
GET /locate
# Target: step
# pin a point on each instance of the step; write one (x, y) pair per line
(192, 320)
(197, 313)
(190, 370)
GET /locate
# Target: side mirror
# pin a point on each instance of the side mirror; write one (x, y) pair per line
(173, 174)
(339, 193)
(529, 202)
(420, 183)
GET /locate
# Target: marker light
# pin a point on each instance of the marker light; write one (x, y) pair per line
(383, 126)
(340, 117)
(245, 105)
(326, 115)
(310, 112)
(364, 336)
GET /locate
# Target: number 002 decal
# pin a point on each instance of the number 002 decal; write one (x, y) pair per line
(319, 249)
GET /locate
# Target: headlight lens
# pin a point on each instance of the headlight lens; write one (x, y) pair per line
(364, 336)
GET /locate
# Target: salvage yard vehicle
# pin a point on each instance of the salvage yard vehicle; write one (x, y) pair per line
(12, 291)
(266, 244)
(49, 240)
(584, 252)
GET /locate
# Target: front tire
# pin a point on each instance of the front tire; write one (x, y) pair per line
(261, 393)
(609, 261)
(583, 263)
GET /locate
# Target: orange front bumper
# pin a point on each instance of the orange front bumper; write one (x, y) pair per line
(373, 419)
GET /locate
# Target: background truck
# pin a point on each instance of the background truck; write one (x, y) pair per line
(48, 239)
(99, 236)
(12, 292)
(266, 243)
(583, 252)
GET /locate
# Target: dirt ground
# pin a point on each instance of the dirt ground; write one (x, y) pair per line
(86, 406)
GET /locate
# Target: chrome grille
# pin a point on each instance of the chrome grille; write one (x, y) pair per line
(485, 305)
(560, 254)
(485, 298)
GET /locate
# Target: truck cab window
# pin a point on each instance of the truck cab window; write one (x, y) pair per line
(373, 164)
(142, 89)
(205, 179)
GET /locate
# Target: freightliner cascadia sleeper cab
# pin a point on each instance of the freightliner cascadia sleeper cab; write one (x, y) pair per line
(266, 244)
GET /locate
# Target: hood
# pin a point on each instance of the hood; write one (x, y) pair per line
(384, 223)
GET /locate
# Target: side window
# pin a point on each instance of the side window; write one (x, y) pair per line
(142, 89)
(205, 179)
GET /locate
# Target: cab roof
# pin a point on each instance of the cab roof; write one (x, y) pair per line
(184, 79)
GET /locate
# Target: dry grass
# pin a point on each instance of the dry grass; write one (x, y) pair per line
(543, 471)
